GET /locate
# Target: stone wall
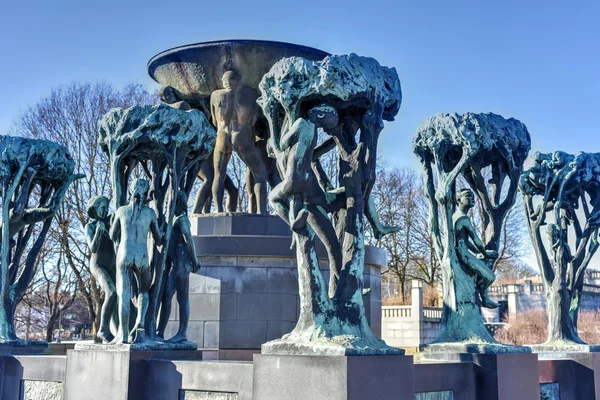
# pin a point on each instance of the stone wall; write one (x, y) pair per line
(246, 292)
(414, 325)
(411, 326)
(526, 296)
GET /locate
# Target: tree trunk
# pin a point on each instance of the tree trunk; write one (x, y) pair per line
(7, 325)
(50, 327)
(461, 316)
(462, 322)
(561, 327)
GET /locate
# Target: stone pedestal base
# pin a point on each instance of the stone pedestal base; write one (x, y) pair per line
(32, 377)
(246, 293)
(473, 348)
(333, 377)
(577, 374)
(499, 376)
(115, 375)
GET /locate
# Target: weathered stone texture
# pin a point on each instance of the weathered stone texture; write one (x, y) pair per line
(202, 395)
(41, 390)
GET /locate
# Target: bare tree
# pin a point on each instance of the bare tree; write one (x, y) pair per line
(60, 290)
(399, 198)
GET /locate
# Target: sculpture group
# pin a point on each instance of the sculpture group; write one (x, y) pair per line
(142, 252)
(450, 147)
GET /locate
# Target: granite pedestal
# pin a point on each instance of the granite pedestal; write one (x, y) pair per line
(114, 374)
(333, 377)
(246, 292)
(577, 374)
(506, 376)
(39, 377)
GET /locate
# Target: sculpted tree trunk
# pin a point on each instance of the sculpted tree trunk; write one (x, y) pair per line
(449, 146)
(167, 145)
(320, 95)
(25, 165)
(562, 183)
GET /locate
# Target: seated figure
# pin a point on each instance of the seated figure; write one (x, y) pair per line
(468, 244)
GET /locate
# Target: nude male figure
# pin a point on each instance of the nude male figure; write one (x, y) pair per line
(309, 202)
(468, 243)
(206, 174)
(168, 96)
(182, 260)
(234, 112)
(131, 225)
(102, 260)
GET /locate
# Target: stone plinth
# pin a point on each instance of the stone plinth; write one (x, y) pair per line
(502, 376)
(39, 377)
(458, 378)
(112, 374)
(246, 292)
(333, 377)
(577, 374)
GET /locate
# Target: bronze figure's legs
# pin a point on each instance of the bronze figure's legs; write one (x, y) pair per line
(222, 155)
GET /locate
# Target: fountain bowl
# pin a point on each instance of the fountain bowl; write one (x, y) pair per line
(195, 70)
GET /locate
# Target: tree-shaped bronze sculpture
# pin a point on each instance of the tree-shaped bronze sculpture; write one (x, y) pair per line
(167, 146)
(31, 172)
(348, 97)
(474, 146)
(561, 195)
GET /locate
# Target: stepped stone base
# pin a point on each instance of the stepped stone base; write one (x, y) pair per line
(333, 377)
(114, 374)
(577, 374)
(246, 292)
(503, 376)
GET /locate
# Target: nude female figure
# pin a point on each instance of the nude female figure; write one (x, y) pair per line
(102, 260)
(131, 225)
(468, 243)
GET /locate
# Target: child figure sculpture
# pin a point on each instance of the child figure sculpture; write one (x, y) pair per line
(182, 259)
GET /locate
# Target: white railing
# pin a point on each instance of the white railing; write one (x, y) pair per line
(432, 313)
(396, 311)
(537, 288)
(498, 289)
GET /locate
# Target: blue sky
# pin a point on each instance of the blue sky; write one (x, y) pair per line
(535, 61)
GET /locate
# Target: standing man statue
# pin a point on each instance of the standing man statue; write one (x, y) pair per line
(182, 259)
(207, 172)
(102, 260)
(468, 242)
(234, 112)
(132, 223)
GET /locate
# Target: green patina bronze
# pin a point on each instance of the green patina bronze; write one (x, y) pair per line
(450, 146)
(31, 172)
(561, 195)
(343, 95)
(166, 145)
